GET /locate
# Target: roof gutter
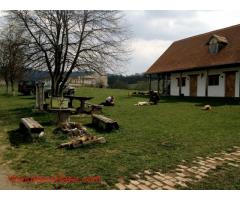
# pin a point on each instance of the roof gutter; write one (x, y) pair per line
(197, 68)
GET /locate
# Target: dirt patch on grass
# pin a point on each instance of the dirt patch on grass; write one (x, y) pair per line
(5, 172)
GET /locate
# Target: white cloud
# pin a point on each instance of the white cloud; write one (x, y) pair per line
(154, 31)
(218, 19)
(144, 53)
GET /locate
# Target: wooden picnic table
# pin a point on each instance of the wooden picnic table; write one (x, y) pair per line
(81, 99)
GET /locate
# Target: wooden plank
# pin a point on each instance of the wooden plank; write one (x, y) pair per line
(31, 125)
(230, 78)
(103, 118)
(193, 85)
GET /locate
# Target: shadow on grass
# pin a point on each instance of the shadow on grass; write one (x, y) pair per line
(100, 130)
(201, 101)
(48, 123)
(26, 97)
(17, 137)
(28, 112)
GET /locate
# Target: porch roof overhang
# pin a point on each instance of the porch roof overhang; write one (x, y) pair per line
(183, 69)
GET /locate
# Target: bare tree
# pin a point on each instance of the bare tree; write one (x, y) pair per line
(65, 41)
(11, 55)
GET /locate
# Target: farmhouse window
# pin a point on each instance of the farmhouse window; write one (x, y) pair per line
(213, 46)
(183, 81)
(216, 43)
(213, 80)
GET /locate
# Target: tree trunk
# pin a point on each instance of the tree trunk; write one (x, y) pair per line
(6, 81)
(12, 87)
(55, 88)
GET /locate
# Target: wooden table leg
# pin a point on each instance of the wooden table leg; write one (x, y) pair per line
(70, 103)
(82, 106)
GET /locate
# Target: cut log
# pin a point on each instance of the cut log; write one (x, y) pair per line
(104, 123)
(31, 126)
(95, 108)
(82, 141)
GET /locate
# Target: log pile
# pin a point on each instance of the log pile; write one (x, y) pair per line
(71, 129)
(78, 136)
(82, 140)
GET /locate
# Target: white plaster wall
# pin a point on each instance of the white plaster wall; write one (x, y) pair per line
(219, 90)
(174, 89)
(213, 91)
(201, 84)
(237, 83)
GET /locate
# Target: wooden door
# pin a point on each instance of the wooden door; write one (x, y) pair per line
(230, 84)
(193, 85)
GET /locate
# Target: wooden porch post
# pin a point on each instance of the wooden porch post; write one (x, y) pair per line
(158, 81)
(180, 84)
(150, 82)
(206, 89)
(239, 84)
(163, 84)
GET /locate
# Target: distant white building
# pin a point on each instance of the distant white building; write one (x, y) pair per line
(78, 79)
(206, 65)
(89, 79)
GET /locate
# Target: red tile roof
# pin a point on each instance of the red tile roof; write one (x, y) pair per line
(192, 53)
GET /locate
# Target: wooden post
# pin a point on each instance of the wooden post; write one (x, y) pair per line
(180, 84)
(163, 84)
(150, 82)
(158, 87)
(206, 89)
(239, 84)
(40, 95)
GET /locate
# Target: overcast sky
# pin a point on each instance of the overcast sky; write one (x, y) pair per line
(154, 31)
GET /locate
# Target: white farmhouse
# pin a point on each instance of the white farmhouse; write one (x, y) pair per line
(206, 65)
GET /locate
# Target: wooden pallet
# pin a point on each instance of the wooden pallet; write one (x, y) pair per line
(104, 123)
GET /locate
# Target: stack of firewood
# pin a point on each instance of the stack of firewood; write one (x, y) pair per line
(82, 140)
(71, 129)
(79, 136)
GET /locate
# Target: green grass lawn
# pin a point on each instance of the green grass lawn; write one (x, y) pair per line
(223, 178)
(151, 137)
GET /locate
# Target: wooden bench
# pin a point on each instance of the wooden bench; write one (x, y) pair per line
(104, 123)
(140, 94)
(31, 126)
(95, 108)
